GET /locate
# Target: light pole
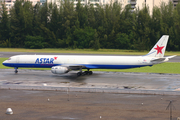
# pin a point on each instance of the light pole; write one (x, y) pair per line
(170, 105)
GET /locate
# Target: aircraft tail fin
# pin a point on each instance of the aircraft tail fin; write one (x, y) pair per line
(159, 48)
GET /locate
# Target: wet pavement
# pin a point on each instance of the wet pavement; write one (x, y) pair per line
(41, 95)
(100, 80)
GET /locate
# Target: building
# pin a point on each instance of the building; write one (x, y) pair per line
(94, 2)
(150, 3)
(124, 2)
(133, 4)
(83, 2)
(42, 2)
(175, 2)
(10, 3)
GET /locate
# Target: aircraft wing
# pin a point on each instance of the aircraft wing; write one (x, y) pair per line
(79, 66)
(73, 66)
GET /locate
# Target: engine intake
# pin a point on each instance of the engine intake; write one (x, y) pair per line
(59, 70)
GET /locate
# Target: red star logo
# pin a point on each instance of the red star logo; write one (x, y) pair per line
(55, 58)
(159, 49)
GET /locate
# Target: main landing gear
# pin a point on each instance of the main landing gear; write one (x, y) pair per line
(16, 69)
(84, 73)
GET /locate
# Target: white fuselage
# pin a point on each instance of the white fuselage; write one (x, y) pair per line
(89, 61)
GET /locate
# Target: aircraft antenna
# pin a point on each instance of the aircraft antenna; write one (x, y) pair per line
(170, 107)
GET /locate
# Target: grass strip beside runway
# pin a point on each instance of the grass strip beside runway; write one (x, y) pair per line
(168, 67)
(84, 51)
(173, 68)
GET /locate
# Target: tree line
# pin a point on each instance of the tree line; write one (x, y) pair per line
(86, 26)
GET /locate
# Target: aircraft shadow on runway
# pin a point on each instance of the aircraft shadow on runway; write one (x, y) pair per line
(73, 77)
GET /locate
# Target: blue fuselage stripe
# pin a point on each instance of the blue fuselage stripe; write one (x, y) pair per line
(90, 66)
(29, 65)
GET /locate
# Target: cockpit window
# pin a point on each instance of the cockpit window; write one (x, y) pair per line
(9, 59)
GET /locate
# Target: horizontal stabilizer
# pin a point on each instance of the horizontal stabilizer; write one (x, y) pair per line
(169, 57)
(164, 59)
(158, 60)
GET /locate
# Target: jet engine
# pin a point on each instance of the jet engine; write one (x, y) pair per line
(59, 70)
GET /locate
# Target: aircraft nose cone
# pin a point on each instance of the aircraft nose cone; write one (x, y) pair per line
(4, 62)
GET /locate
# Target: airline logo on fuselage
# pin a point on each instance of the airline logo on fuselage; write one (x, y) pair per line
(44, 61)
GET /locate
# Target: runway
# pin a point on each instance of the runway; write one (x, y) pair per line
(116, 82)
(41, 95)
(9, 54)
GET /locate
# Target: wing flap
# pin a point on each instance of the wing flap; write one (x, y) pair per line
(74, 66)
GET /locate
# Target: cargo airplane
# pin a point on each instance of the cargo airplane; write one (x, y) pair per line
(60, 64)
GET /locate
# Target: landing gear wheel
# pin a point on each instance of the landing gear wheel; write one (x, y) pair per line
(79, 74)
(86, 72)
(16, 71)
(90, 72)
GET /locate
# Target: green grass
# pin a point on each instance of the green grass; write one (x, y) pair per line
(2, 66)
(173, 68)
(83, 51)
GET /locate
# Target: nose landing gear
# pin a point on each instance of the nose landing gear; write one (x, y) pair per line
(16, 69)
